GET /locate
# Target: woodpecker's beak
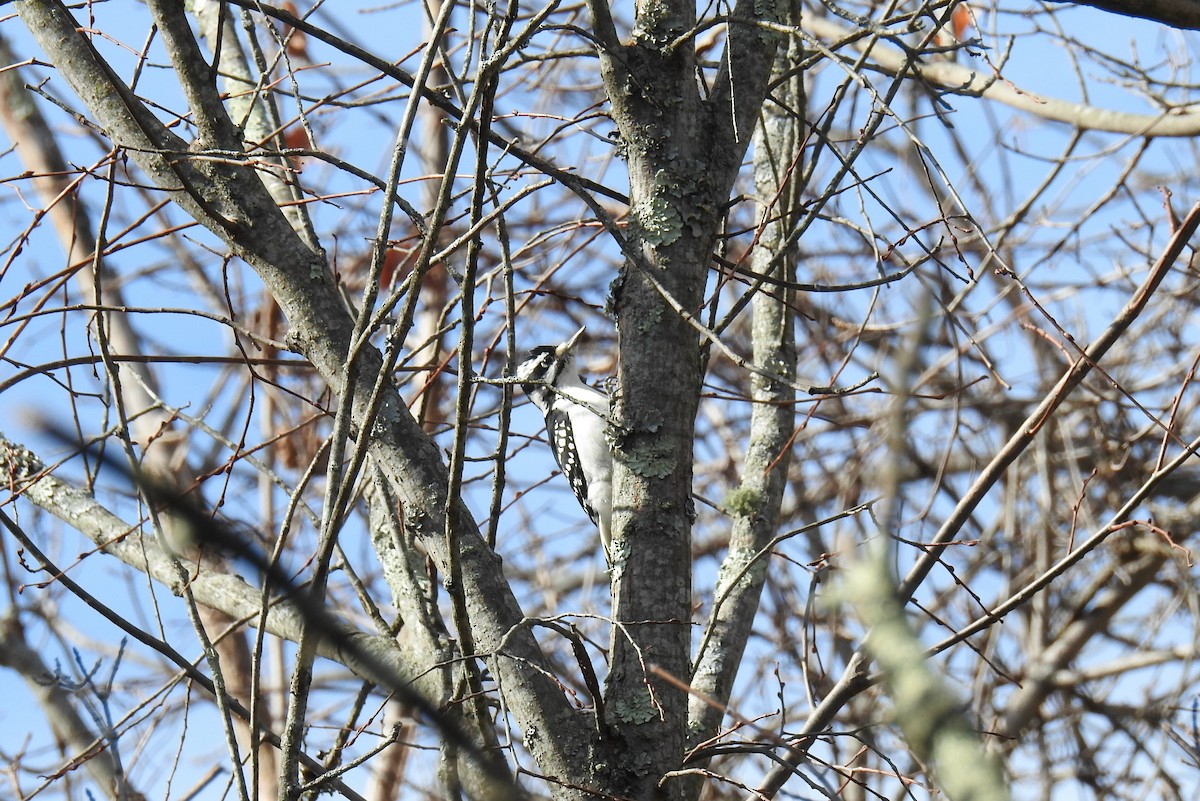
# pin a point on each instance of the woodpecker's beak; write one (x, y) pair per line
(569, 345)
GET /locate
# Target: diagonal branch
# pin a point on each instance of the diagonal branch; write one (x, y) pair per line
(23, 471)
(855, 677)
(962, 80)
(1176, 13)
(228, 198)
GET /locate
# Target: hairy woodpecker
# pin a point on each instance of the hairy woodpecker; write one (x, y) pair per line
(576, 423)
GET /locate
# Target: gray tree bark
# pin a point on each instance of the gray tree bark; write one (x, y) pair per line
(683, 153)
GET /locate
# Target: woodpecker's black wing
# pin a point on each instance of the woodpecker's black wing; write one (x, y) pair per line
(562, 443)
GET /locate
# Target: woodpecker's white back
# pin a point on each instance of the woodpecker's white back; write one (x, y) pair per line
(576, 425)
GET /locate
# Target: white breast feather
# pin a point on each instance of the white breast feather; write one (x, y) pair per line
(592, 443)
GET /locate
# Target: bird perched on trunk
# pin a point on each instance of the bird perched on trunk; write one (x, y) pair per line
(576, 423)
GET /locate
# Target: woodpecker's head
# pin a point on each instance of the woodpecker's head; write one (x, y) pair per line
(544, 367)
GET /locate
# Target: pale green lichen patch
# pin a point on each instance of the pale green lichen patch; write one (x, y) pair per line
(649, 319)
(650, 460)
(744, 502)
(635, 708)
(658, 220)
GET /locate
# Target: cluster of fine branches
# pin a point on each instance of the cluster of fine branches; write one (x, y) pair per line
(893, 302)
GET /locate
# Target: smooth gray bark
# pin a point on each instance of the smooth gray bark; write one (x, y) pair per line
(755, 504)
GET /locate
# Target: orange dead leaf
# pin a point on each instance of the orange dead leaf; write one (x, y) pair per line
(960, 20)
(296, 138)
(296, 39)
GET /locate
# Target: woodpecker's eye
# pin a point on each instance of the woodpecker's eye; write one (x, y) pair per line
(536, 362)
